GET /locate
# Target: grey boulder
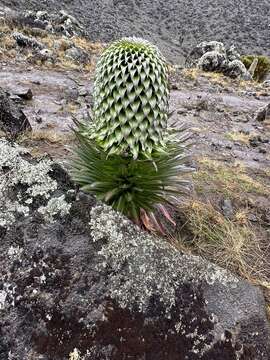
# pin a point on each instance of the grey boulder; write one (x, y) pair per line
(80, 281)
(213, 56)
(202, 48)
(77, 54)
(236, 69)
(232, 53)
(212, 61)
(27, 41)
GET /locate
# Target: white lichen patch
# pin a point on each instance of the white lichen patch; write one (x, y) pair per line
(151, 266)
(55, 206)
(31, 180)
(15, 252)
(142, 266)
(3, 296)
(75, 355)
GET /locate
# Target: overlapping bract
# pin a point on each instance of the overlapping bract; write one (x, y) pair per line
(131, 98)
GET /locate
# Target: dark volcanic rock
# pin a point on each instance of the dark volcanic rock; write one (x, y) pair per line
(78, 278)
(12, 119)
(24, 93)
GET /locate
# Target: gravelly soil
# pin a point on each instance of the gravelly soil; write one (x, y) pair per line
(176, 26)
(212, 108)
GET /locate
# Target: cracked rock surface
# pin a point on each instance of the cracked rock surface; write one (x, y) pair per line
(78, 278)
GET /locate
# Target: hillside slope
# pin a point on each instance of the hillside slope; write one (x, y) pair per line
(175, 25)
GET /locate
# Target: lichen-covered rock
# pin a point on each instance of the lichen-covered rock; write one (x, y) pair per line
(27, 186)
(77, 54)
(12, 119)
(232, 53)
(213, 56)
(86, 282)
(54, 22)
(27, 41)
(212, 61)
(204, 47)
(236, 69)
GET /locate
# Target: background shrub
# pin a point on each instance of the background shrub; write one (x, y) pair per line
(263, 67)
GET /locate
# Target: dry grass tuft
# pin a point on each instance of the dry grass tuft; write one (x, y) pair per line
(230, 244)
(47, 135)
(231, 181)
(268, 311)
(192, 73)
(213, 77)
(217, 78)
(239, 137)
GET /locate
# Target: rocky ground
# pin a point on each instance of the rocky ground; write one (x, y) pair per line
(225, 219)
(176, 26)
(230, 145)
(81, 282)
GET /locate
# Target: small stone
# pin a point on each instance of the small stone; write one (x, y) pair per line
(254, 142)
(77, 54)
(3, 296)
(25, 94)
(17, 99)
(227, 208)
(83, 92)
(181, 111)
(46, 54)
(252, 218)
(42, 15)
(262, 150)
(38, 119)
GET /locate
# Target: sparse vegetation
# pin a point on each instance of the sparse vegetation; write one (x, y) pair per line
(55, 43)
(231, 243)
(238, 136)
(48, 135)
(230, 180)
(263, 67)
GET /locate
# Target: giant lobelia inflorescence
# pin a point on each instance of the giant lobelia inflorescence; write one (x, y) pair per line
(131, 98)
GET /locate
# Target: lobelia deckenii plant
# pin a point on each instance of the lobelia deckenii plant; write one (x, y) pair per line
(126, 156)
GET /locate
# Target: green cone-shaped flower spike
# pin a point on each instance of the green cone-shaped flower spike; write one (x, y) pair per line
(131, 98)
